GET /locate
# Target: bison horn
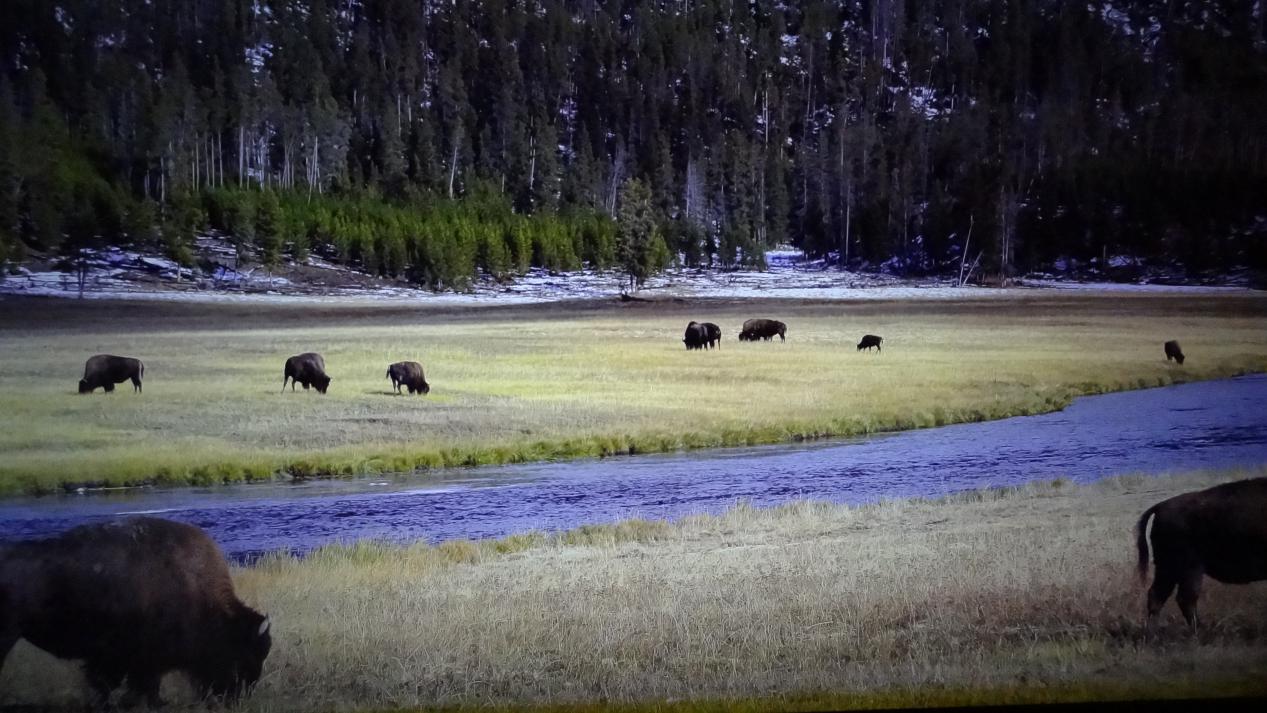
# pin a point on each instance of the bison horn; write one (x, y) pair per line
(263, 627)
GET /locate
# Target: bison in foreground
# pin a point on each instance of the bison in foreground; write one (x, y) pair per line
(1173, 351)
(106, 370)
(408, 374)
(133, 599)
(712, 334)
(1220, 532)
(766, 329)
(870, 340)
(696, 336)
(307, 369)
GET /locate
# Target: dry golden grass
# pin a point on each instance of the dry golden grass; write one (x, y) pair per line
(558, 381)
(1026, 594)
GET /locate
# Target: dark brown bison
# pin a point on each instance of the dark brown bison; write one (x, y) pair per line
(696, 336)
(713, 335)
(307, 369)
(133, 599)
(870, 340)
(766, 329)
(1173, 351)
(1220, 532)
(408, 374)
(106, 370)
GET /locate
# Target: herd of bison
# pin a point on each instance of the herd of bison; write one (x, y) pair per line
(137, 598)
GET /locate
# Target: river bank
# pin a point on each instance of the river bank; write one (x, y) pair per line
(1021, 594)
(560, 381)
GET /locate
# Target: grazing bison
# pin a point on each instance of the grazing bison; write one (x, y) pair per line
(307, 369)
(106, 370)
(713, 334)
(1173, 351)
(870, 340)
(696, 336)
(136, 598)
(1220, 532)
(755, 329)
(408, 374)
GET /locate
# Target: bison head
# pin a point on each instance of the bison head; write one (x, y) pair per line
(243, 660)
(425, 388)
(322, 382)
(84, 387)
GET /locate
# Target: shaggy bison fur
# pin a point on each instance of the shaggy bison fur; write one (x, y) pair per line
(1173, 351)
(696, 336)
(766, 329)
(868, 341)
(408, 374)
(106, 370)
(1220, 532)
(712, 334)
(307, 369)
(133, 599)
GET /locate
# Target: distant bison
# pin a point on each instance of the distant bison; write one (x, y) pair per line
(1220, 532)
(766, 329)
(1173, 351)
(408, 374)
(713, 334)
(135, 599)
(307, 369)
(106, 370)
(696, 336)
(870, 340)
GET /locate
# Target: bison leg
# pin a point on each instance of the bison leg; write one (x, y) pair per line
(136, 385)
(108, 387)
(1189, 592)
(1164, 583)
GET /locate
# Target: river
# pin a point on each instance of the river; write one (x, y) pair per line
(1212, 424)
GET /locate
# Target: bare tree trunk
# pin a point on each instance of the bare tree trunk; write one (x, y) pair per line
(453, 162)
(964, 256)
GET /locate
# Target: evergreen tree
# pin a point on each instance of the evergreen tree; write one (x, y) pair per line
(640, 248)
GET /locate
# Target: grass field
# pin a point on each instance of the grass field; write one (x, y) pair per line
(1019, 595)
(557, 381)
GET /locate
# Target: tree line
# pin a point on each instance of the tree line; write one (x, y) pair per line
(431, 139)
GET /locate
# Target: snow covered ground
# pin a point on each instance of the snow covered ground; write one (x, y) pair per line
(121, 274)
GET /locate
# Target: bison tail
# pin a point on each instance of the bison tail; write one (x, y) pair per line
(1141, 541)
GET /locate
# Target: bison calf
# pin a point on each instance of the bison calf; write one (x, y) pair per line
(307, 369)
(868, 341)
(408, 374)
(1220, 532)
(106, 370)
(1173, 351)
(135, 599)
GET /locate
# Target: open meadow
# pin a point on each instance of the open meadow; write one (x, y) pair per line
(1014, 595)
(563, 380)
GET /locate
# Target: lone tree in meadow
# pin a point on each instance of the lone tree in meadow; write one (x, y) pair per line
(640, 248)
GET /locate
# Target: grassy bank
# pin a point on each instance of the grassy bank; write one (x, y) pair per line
(558, 381)
(1018, 595)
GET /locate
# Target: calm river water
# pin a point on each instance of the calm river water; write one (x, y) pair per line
(1201, 425)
